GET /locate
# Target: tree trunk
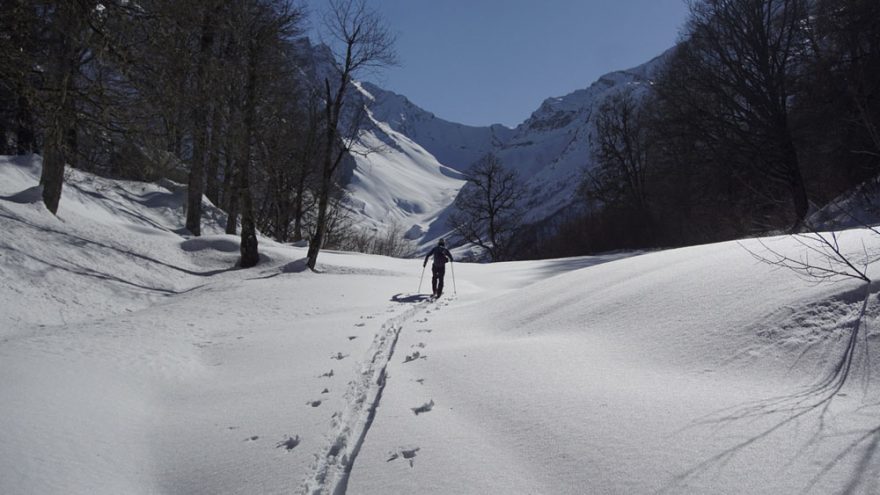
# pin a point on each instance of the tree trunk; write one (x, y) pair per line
(230, 196)
(249, 250)
(196, 185)
(321, 225)
(800, 202)
(332, 110)
(298, 208)
(61, 112)
(52, 176)
(315, 243)
(212, 165)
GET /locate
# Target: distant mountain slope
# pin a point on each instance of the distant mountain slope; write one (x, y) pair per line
(397, 181)
(550, 150)
(410, 175)
(454, 145)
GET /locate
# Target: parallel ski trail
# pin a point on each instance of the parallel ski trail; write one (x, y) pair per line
(351, 425)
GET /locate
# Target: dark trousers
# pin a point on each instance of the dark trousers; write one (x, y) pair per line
(437, 279)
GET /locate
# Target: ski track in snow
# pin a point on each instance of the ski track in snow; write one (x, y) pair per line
(350, 426)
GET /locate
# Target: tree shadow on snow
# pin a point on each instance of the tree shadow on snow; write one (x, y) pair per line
(297, 266)
(84, 271)
(82, 241)
(810, 406)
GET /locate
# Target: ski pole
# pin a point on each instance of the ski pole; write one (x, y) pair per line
(454, 290)
(420, 279)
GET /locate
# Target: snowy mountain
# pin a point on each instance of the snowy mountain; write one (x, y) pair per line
(396, 180)
(412, 179)
(454, 145)
(551, 149)
(136, 359)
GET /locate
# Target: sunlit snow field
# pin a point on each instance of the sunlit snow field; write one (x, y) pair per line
(135, 359)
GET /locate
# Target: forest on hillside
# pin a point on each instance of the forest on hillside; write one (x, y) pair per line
(764, 112)
(222, 96)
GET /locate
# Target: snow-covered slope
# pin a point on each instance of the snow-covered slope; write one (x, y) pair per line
(550, 150)
(409, 175)
(454, 145)
(397, 181)
(857, 208)
(136, 360)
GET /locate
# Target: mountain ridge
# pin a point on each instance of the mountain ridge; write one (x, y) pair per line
(409, 167)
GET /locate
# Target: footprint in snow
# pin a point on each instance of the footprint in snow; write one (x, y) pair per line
(420, 381)
(352, 337)
(252, 439)
(420, 345)
(339, 356)
(413, 357)
(425, 330)
(360, 324)
(328, 374)
(407, 453)
(289, 443)
(426, 407)
(313, 403)
(325, 391)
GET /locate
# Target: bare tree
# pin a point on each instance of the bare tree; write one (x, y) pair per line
(849, 48)
(200, 116)
(263, 25)
(306, 155)
(487, 211)
(363, 42)
(288, 137)
(740, 57)
(838, 111)
(51, 55)
(623, 154)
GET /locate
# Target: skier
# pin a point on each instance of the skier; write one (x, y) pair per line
(438, 269)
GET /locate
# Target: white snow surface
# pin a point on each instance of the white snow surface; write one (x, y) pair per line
(137, 360)
(397, 181)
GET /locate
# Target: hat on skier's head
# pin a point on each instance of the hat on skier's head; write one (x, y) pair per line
(441, 242)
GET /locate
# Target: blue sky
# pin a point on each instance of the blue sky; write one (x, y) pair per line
(480, 62)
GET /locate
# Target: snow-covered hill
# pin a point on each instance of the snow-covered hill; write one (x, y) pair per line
(454, 145)
(551, 149)
(410, 178)
(138, 360)
(396, 179)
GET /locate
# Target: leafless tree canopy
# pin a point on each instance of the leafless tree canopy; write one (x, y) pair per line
(765, 110)
(214, 94)
(363, 42)
(487, 210)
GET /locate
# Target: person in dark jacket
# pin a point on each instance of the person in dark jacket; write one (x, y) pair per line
(438, 269)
